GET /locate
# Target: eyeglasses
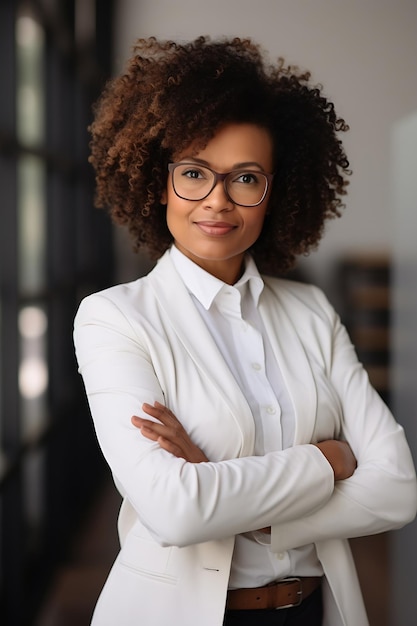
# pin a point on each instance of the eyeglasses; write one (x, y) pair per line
(244, 187)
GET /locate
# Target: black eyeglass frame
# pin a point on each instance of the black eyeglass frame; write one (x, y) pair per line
(222, 177)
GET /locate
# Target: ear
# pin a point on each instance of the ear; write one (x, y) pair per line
(164, 198)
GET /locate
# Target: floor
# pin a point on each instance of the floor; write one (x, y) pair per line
(371, 556)
(78, 583)
(76, 588)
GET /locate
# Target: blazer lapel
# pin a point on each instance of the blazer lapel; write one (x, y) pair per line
(292, 359)
(191, 331)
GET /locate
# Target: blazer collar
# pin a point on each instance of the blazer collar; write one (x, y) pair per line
(173, 296)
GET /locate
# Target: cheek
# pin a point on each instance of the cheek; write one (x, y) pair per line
(257, 222)
(177, 216)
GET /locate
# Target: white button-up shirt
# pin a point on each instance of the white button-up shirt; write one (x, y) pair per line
(232, 317)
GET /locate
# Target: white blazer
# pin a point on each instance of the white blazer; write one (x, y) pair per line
(145, 341)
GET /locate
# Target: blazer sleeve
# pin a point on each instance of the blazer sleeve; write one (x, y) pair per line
(382, 493)
(181, 503)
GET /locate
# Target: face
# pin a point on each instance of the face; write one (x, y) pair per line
(215, 232)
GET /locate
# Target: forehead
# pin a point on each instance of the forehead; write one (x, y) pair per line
(232, 145)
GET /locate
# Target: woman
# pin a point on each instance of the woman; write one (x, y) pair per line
(239, 426)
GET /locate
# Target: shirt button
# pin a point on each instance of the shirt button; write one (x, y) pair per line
(256, 366)
(281, 556)
(271, 410)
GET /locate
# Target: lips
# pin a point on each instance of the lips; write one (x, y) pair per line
(216, 229)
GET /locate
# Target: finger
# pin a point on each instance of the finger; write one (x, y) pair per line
(169, 446)
(149, 433)
(151, 430)
(166, 444)
(170, 439)
(160, 413)
(165, 409)
(151, 410)
(138, 421)
(155, 427)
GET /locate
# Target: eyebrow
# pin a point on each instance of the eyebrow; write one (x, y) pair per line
(236, 166)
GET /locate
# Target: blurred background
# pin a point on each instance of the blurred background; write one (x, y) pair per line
(58, 507)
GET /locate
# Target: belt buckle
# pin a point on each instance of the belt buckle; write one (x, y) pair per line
(299, 593)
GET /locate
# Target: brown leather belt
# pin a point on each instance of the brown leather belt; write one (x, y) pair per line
(285, 593)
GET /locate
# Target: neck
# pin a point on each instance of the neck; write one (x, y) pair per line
(227, 270)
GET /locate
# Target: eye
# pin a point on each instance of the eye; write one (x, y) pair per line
(247, 178)
(193, 173)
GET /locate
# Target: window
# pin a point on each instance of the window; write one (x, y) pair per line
(54, 248)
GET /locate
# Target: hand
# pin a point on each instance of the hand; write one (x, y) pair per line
(340, 456)
(168, 432)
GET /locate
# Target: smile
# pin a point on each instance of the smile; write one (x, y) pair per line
(215, 229)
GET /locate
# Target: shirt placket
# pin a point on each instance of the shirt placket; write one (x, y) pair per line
(252, 375)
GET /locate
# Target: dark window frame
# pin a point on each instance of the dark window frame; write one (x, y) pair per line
(79, 260)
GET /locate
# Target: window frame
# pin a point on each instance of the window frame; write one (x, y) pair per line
(62, 460)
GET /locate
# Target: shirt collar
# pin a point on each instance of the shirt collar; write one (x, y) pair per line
(205, 287)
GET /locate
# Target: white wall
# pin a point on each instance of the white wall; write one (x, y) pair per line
(404, 346)
(363, 51)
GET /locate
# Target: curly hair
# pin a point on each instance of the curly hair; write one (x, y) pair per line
(172, 95)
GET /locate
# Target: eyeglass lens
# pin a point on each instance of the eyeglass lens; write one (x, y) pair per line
(195, 182)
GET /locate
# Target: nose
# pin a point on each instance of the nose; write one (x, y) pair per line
(218, 200)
